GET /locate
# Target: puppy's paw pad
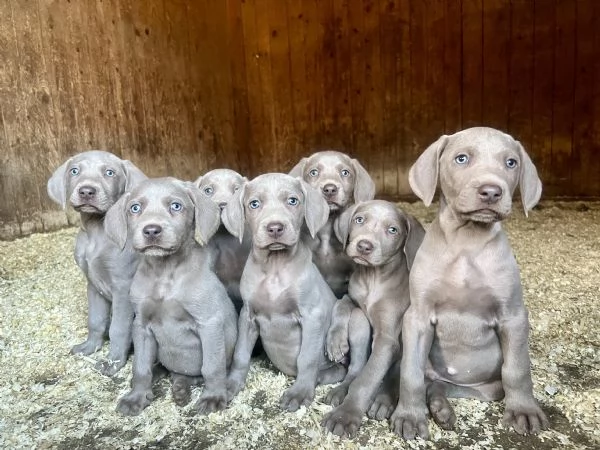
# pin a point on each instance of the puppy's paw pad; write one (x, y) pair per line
(442, 413)
(210, 403)
(86, 348)
(336, 396)
(337, 344)
(342, 422)
(409, 425)
(181, 393)
(382, 407)
(108, 368)
(134, 403)
(526, 420)
(293, 399)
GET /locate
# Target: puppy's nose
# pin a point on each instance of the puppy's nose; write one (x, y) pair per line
(87, 192)
(489, 193)
(152, 231)
(364, 247)
(222, 205)
(329, 190)
(275, 229)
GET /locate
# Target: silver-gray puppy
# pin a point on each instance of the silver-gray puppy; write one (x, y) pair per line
(286, 299)
(91, 182)
(229, 253)
(465, 333)
(342, 181)
(183, 316)
(383, 241)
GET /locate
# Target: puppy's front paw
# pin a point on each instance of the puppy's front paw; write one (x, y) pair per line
(208, 403)
(342, 421)
(337, 343)
(294, 397)
(234, 386)
(410, 423)
(108, 367)
(382, 407)
(336, 396)
(86, 348)
(525, 419)
(134, 402)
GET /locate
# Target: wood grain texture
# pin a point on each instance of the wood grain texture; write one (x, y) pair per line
(183, 87)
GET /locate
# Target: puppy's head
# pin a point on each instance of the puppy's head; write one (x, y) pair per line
(478, 170)
(375, 232)
(160, 215)
(275, 205)
(91, 182)
(219, 185)
(340, 179)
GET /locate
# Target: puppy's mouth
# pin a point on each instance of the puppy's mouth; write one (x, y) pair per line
(484, 215)
(333, 206)
(361, 260)
(277, 246)
(157, 250)
(88, 208)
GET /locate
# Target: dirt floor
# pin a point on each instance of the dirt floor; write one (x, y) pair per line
(50, 399)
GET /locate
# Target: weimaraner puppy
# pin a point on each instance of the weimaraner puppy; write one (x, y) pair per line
(91, 182)
(382, 241)
(183, 316)
(342, 181)
(229, 253)
(465, 333)
(286, 300)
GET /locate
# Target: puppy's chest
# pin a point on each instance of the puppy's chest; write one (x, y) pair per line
(274, 295)
(370, 288)
(159, 302)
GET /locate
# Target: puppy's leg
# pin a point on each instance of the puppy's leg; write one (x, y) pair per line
(337, 336)
(140, 395)
(119, 334)
(214, 367)
(387, 397)
(302, 392)
(247, 336)
(360, 341)
(98, 316)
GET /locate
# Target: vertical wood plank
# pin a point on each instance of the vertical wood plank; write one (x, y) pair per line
(407, 151)
(472, 63)
(452, 79)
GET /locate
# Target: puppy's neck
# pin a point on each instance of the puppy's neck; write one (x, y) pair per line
(395, 267)
(453, 225)
(266, 257)
(90, 221)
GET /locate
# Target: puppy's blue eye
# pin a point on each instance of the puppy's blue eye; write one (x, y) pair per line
(176, 206)
(110, 173)
(209, 191)
(313, 173)
(511, 163)
(359, 219)
(345, 173)
(254, 204)
(74, 171)
(293, 201)
(135, 208)
(393, 230)
(461, 159)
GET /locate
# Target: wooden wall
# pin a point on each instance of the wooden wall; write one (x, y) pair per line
(180, 87)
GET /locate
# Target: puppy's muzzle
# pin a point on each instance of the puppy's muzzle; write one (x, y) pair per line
(275, 230)
(364, 247)
(330, 190)
(87, 193)
(152, 232)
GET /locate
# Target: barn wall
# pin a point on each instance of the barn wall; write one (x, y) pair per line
(180, 87)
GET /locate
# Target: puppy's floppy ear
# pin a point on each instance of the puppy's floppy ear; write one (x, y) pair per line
(530, 184)
(414, 237)
(298, 170)
(57, 185)
(234, 217)
(341, 226)
(423, 175)
(133, 175)
(316, 210)
(207, 214)
(115, 221)
(364, 187)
